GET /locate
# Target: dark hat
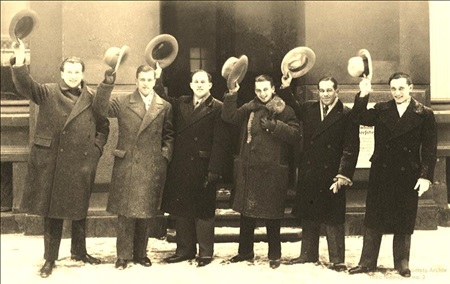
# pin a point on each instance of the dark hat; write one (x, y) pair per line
(361, 65)
(234, 70)
(298, 61)
(162, 49)
(114, 56)
(23, 24)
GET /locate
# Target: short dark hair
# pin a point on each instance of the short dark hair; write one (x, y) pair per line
(201, 70)
(144, 68)
(398, 75)
(328, 78)
(72, 59)
(264, 77)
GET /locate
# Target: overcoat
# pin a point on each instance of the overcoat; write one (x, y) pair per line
(405, 150)
(202, 145)
(261, 170)
(331, 147)
(143, 151)
(65, 149)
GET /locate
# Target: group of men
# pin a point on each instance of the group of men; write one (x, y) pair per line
(171, 152)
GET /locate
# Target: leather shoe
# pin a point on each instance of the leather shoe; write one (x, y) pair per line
(274, 263)
(242, 257)
(339, 267)
(405, 272)
(297, 260)
(121, 263)
(86, 259)
(360, 269)
(203, 261)
(177, 258)
(144, 261)
(47, 268)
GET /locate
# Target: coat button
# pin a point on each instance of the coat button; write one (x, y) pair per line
(405, 148)
(64, 132)
(312, 142)
(195, 138)
(325, 167)
(85, 153)
(61, 150)
(402, 169)
(384, 165)
(329, 146)
(387, 146)
(192, 158)
(308, 162)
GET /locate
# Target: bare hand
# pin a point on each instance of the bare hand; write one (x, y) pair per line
(286, 80)
(235, 90)
(110, 76)
(19, 52)
(365, 86)
(158, 71)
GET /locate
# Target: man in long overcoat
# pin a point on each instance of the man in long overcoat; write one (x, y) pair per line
(261, 170)
(402, 169)
(327, 164)
(144, 149)
(201, 153)
(66, 147)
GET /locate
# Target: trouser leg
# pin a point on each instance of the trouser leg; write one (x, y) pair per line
(371, 248)
(78, 241)
(52, 237)
(401, 248)
(125, 237)
(309, 251)
(140, 238)
(205, 236)
(246, 234)
(186, 237)
(273, 238)
(336, 242)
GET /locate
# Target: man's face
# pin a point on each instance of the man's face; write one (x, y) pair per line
(200, 84)
(145, 82)
(72, 74)
(327, 93)
(264, 91)
(400, 90)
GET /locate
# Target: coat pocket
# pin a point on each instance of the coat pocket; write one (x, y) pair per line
(42, 141)
(204, 154)
(119, 153)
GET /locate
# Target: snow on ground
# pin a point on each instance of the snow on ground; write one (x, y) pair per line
(21, 259)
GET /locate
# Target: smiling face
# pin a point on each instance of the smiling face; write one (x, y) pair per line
(145, 82)
(264, 91)
(400, 90)
(327, 93)
(72, 74)
(200, 84)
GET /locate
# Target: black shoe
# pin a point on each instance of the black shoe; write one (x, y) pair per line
(360, 269)
(177, 258)
(274, 263)
(86, 259)
(405, 272)
(339, 267)
(144, 261)
(242, 257)
(297, 260)
(121, 263)
(203, 261)
(47, 268)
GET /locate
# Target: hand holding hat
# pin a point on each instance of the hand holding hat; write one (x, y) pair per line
(114, 56)
(298, 61)
(234, 70)
(19, 53)
(110, 76)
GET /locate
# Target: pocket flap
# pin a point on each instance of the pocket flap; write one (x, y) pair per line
(119, 153)
(204, 154)
(42, 141)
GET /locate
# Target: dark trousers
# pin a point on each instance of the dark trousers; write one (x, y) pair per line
(132, 237)
(191, 231)
(371, 247)
(247, 236)
(52, 237)
(310, 241)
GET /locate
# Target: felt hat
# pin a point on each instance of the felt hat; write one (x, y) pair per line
(361, 65)
(298, 61)
(162, 49)
(234, 70)
(114, 56)
(23, 24)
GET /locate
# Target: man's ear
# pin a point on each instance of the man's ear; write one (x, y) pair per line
(411, 87)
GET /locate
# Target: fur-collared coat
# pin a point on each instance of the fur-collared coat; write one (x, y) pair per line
(261, 170)
(143, 151)
(65, 150)
(405, 150)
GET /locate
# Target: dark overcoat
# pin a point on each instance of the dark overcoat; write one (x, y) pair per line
(405, 150)
(143, 151)
(65, 149)
(202, 145)
(331, 147)
(261, 170)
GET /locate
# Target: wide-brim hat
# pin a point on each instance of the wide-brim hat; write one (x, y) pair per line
(298, 61)
(23, 24)
(234, 70)
(361, 65)
(162, 49)
(114, 56)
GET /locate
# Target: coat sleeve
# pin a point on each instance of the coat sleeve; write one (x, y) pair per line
(230, 112)
(429, 146)
(168, 134)
(221, 146)
(102, 105)
(361, 115)
(26, 86)
(350, 150)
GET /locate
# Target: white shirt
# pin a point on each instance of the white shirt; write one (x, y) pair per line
(147, 99)
(401, 108)
(330, 107)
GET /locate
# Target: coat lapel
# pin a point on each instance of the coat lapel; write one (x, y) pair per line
(409, 120)
(191, 116)
(136, 104)
(334, 115)
(83, 102)
(156, 106)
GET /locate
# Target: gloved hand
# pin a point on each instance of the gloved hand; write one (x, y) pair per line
(268, 124)
(158, 71)
(338, 183)
(422, 185)
(213, 177)
(365, 87)
(286, 80)
(110, 76)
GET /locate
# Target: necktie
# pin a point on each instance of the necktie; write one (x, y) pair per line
(325, 111)
(196, 104)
